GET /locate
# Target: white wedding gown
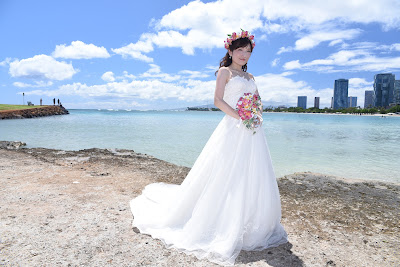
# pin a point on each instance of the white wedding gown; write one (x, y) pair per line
(228, 202)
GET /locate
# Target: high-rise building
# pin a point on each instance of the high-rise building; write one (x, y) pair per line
(316, 102)
(332, 102)
(352, 101)
(369, 99)
(340, 93)
(397, 92)
(383, 89)
(302, 102)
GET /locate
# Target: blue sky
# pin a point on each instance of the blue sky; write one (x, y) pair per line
(163, 54)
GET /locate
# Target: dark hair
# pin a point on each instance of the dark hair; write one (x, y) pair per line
(226, 61)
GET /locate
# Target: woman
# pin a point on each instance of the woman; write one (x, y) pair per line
(229, 201)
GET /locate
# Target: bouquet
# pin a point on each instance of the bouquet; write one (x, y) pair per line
(249, 108)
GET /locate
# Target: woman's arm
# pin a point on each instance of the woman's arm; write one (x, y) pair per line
(222, 78)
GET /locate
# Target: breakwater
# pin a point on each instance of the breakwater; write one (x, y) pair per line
(33, 112)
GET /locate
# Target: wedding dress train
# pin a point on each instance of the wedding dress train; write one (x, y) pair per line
(229, 200)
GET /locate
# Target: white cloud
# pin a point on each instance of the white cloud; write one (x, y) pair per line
(108, 76)
(294, 64)
(109, 104)
(276, 88)
(348, 60)
(357, 87)
(5, 62)
(144, 89)
(360, 82)
(136, 50)
(315, 38)
(395, 47)
(37, 84)
(127, 75)
(42, 67)
(309, 12)
(80, 50)
(284, 50)
(335, 42)
(275, 62)
(155, 73)
(187, 26)
(192, 74)
(198, 20)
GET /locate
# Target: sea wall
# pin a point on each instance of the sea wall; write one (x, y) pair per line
(33, 112)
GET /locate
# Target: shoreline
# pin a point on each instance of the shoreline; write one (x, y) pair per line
(347, 114)
(15, 145)
(84, 217)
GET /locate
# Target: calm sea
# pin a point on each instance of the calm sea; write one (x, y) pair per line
(363, 147)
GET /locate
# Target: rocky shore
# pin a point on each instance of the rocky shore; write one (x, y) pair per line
(33, 112)
(70, 208)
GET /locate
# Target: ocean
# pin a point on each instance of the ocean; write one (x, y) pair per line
(350, 146)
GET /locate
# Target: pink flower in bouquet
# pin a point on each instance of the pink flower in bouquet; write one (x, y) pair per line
(249, 108)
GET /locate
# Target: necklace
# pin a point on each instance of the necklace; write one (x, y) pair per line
(241, 71)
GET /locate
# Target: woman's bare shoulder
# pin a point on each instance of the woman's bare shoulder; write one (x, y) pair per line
(251, 76)
(224, 72)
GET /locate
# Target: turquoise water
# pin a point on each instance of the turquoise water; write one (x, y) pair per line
(363, 147)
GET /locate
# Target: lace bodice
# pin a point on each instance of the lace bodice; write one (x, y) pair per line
(236, 87)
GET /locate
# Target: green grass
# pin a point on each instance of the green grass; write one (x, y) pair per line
(11, 107)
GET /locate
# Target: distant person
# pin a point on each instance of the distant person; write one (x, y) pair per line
(40, 101)
(229, 201)
(58, 101)
(54, 101)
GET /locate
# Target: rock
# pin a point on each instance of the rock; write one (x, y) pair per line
(33, 112)
(11, 145)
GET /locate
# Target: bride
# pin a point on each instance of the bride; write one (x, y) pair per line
(229, 201)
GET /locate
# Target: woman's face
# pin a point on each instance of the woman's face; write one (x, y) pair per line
(241, 55)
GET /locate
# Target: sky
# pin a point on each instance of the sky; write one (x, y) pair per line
(159, 54)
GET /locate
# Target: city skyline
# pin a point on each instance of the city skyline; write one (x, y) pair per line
(386, 93)
(131, 55)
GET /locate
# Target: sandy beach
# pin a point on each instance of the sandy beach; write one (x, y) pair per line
(70, 208)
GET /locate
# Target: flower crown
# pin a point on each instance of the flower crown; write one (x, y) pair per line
(234, 36)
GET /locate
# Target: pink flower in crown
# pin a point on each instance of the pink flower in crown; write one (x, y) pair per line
(234, 36)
